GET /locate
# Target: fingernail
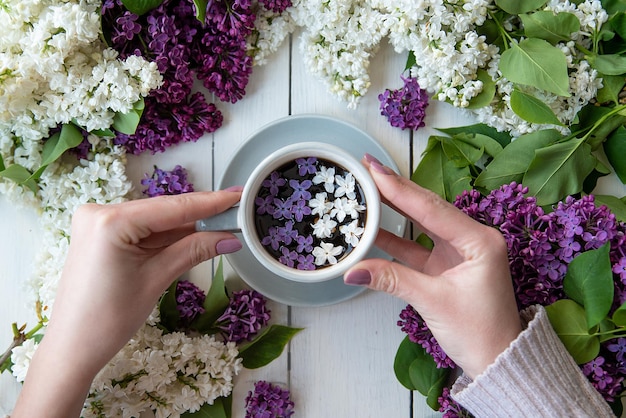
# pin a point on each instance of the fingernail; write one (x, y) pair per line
(379, 168)
(233, 189)
(358, 278)
(371, 159)
(227, 246)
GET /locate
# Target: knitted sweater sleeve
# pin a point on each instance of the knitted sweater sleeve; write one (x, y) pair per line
(534, 377)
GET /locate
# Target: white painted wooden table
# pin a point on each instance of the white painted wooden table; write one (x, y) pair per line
(341, 365)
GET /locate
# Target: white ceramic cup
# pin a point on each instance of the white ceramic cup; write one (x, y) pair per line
(243, 217)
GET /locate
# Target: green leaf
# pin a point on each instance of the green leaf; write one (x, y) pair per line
(488, 92)
(415, 369)
(511, 164)
(167, 308)
(461, 153)
(411, 61)
(619, 316)
(69, 137)
(437, 173)
(140, 7)
(589, 282)
(201, 9)
(516, 7)
(615, 205)
(615, 150)
(611, 87)
(559, 170)
(2, 167)
(430, 382)
(425, 241)
(215, 303)
(568, 320)
(591, 181)
(103, 133)
(532, 109)
(614, 6)
(20, 175)
(490, 146)
(217, 410)
(608, 64)
(502, 138)
(553, 28)
(618, 23)
(536, 63)
(127, 123)
(407, 353)
(266, 346)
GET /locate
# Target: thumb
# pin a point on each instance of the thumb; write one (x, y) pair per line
(392, 278)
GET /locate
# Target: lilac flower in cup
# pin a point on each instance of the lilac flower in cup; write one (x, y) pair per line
(287, 233)
(345, 186)
(326, 176)
(264, 205)
(300, 209)
(274, 183)
(326, 253)
(320, 204)
(306, 262)
(244, 317)
(306, 165)
(282, 208)
(352, 232)
(300, 189)
(324, 226)
(305, 244)
(268, 401)
(273, 238)
(289, 257)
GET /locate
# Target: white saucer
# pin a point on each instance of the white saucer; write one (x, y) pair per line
(286, 131)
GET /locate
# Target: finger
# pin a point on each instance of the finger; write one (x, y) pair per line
(405, 251)
(395, 279)
(166, 238)
(432, 214)
(192, 250)
(138, 219)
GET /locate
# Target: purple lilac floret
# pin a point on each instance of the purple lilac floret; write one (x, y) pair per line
(163, 182)
(189, 301)
(310, 213)
(405, 108)
(245, 315)
(268, 401)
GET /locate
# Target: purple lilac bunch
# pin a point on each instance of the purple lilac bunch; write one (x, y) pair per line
(310, 213)
(184, 49)
(244, 317)
(540, 246)
(268, 401)
(449, 407)
(189, 302)
(405, 108)
(163, 182)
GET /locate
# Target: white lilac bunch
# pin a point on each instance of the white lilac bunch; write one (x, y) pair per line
(168, 373)
(64, 186)
(338, 40)
(54, 69)
(584, 81)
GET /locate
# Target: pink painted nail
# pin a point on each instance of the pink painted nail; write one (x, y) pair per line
(227, 246)
(358, 278)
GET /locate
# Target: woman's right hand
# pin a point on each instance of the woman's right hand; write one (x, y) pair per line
(462, 288)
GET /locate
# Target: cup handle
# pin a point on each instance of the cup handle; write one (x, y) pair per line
(225, 221)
